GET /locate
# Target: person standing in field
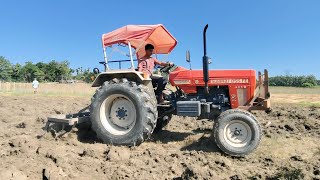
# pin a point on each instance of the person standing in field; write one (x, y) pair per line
(35, 85)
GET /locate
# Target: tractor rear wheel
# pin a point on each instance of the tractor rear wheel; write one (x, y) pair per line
(237, 132)
(122, 113)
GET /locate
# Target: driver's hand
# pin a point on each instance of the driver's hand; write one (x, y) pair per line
(169, 63)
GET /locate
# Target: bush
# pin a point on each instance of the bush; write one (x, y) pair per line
(307, 85)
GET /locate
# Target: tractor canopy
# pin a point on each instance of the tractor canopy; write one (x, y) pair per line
(139, 36)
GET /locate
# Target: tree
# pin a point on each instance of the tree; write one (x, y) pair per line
(65, 70)
(5, 69)
(311, 79)
(30, 71)
(17, 73)
(56, 71)
(39, 74)
(88, 76)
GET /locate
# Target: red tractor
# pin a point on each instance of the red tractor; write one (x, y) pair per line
(124, 109)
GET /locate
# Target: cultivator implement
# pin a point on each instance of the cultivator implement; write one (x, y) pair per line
(60, 124)
(69, 119)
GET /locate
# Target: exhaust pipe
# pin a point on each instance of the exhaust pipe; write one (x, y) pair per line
(205, 61)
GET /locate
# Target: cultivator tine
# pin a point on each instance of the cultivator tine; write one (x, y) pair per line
(46, 129)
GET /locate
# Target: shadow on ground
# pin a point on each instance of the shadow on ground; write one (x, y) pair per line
(86, 135)
(165, 136)
(205, 144)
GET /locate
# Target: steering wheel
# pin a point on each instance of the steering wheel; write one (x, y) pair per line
(166, 68)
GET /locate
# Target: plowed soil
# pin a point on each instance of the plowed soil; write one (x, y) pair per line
(289, 148)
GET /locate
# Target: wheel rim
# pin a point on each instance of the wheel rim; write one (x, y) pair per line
(117, 114)
(237, 133)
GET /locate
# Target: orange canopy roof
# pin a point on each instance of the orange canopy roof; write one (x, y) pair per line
(139, 36)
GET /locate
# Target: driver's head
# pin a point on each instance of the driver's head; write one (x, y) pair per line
(149, 49)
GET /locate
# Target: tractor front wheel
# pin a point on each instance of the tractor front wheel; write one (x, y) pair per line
(122, 113)
(237, 132)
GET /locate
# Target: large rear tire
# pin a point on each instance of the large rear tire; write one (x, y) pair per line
(237, 132)
(122, 113)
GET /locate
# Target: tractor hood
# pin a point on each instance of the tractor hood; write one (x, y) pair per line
(189, 80)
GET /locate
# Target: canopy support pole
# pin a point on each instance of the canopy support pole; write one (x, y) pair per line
(129, 44)
(105, 59)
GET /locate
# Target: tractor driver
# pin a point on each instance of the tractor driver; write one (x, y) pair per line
(147, 63)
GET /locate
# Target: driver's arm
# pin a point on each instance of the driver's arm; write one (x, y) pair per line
(161, 63)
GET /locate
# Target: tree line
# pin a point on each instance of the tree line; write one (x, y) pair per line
(52, 71)
(55, 71)
(295, 81)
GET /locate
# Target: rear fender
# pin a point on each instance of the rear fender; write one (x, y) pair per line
(129, 74)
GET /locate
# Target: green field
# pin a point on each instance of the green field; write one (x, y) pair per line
(294, 90)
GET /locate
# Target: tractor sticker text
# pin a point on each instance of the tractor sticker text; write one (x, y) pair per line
(229, 81)
(182, 81)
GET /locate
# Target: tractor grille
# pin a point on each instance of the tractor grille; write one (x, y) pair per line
(188, 108)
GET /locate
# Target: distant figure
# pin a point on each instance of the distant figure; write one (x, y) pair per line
(35, 85)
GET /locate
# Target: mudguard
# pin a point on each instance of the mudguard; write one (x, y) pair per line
(129, 74)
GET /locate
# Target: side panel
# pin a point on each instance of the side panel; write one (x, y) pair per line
(238, 81)
(242, 96)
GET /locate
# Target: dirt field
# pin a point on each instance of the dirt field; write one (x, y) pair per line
(184, 150)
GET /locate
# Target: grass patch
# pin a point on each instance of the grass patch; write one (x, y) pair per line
(47, 89)
(50, 94)
(309, 104)
(294, 90)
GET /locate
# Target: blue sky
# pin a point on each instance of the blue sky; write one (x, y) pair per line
(282, 36)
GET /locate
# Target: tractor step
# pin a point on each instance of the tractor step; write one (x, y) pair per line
(164, 105)
(69, 119)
